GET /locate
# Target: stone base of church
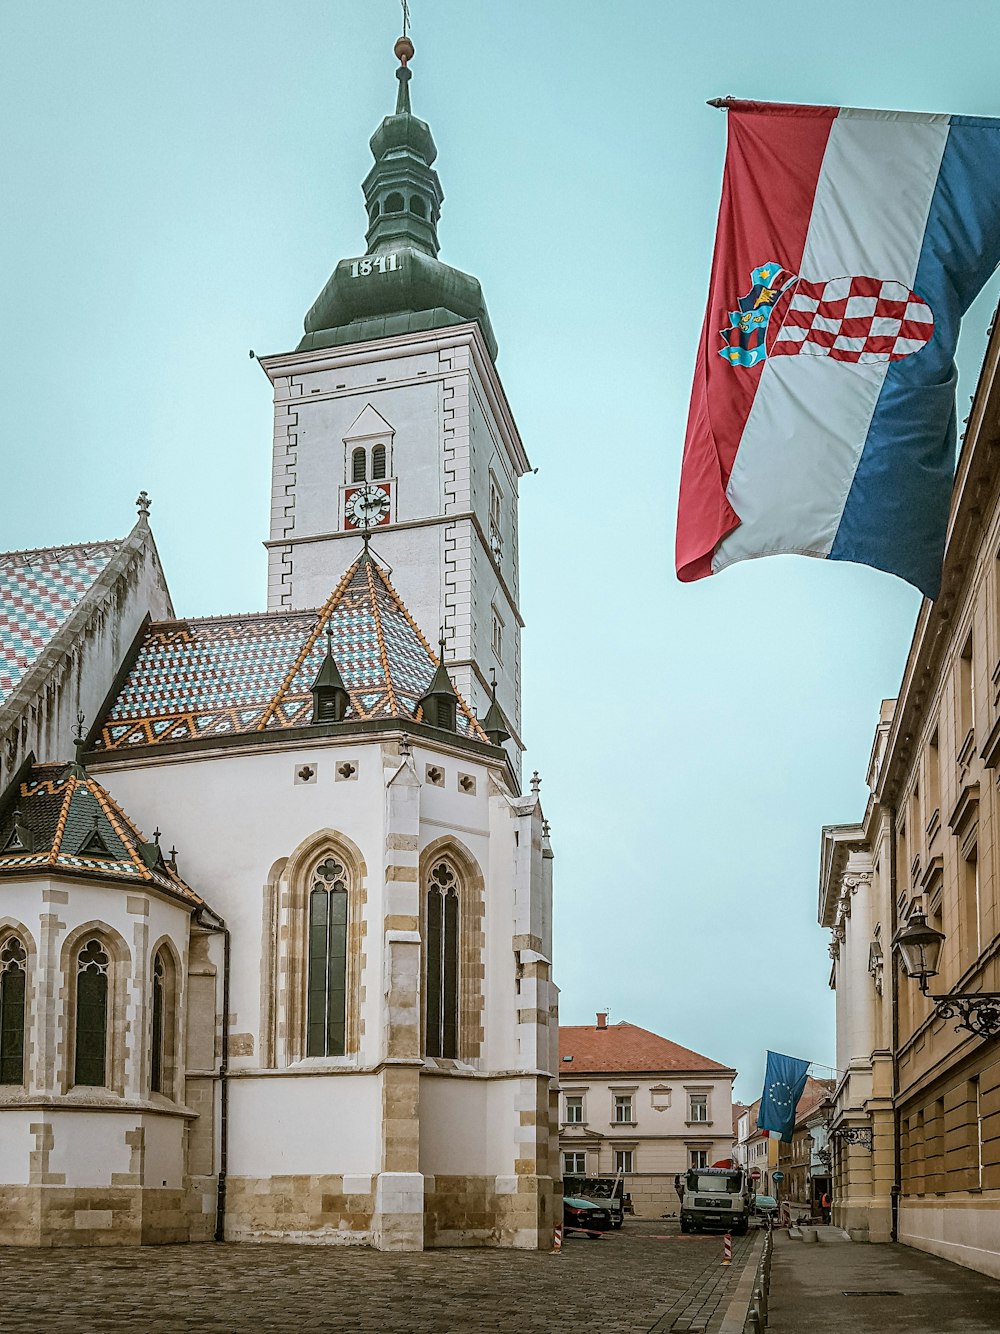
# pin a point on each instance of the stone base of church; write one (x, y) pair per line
(331, 1210)
(51, 1215)
(393, 1211)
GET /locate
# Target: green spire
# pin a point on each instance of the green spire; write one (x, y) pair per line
(495, 724)
(399, 286)
(439, 702)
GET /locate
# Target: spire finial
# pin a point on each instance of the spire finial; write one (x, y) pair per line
(441, 643)
(79, 738)
(536, 782)
(406, 16)
(403, 51)
(142, 504)
(366, 537)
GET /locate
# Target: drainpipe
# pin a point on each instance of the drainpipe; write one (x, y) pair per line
(220, 1206)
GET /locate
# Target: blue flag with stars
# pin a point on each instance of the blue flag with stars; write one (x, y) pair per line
(784, 1081)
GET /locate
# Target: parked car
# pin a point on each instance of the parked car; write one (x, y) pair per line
(585, 1216)
(765, 1207)
(605, 1192)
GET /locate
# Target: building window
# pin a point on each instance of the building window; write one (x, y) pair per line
(326, 1008)
(497, 634)
(966, 693)
(624, 1161)
(441, 981)
(358, 466)
(91, 1062)
(697, 1157)
(623, 1108)
(574, 1110)
(156, 1045)
(496, 518)
(378, 461)
(394, 203)
(575, 1164)
(13, 979)
(698, 1107)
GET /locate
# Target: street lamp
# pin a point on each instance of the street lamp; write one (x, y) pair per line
(919, 946)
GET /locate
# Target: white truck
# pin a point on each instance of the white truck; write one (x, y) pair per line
(717, 1199)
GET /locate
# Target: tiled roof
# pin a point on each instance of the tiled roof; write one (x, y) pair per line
(622, 1047)
(243, 674)
(39, 591)
(56, 818)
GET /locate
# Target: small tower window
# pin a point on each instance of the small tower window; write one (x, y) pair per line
(417, 207)
(497, 635)
(13, 975)
(394, 203)
(378, 461)
(92, 1015)
(358, 466)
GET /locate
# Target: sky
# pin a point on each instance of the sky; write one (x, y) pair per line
(180, 180)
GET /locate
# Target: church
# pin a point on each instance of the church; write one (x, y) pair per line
(275, 909)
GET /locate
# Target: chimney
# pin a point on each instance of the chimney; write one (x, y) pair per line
(602, 1018)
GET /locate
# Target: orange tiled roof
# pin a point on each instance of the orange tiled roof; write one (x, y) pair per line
(626, 1047)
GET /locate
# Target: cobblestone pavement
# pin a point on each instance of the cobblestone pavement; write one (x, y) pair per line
(646, 1277)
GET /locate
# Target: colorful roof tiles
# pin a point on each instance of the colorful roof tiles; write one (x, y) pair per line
(233, 675)
(57, 819)
(39, 591)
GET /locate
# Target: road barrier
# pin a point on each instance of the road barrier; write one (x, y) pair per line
(557, 1238)
(727, 1249)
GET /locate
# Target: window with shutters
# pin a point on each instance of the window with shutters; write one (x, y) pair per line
(359, 466)
(13, 989)
(378, 461)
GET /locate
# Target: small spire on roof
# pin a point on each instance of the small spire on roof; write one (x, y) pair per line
(142, 504)
(330, 697)
(536, 782)
(495, 724)
(403, 51)
(75, 768)
(439, 702)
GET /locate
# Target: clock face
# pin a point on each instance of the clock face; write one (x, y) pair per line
(366, 507)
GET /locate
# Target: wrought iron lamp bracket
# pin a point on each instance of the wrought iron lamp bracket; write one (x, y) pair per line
(977, 1011)
(862, 1135)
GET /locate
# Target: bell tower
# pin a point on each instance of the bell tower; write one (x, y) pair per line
(390, 416)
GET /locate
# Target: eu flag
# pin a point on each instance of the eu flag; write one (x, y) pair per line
(783, 1084)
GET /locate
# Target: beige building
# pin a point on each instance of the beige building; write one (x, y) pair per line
(916, 1128)
(635, 1103)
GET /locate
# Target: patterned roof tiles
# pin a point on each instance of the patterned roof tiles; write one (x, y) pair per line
(57, 818)
(39, 591)
(232, 675)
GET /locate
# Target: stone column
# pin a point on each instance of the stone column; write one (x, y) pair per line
(398, 1223)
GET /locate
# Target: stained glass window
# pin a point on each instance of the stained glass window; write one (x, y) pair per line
(326, 1017)
(92, 1015)
(441, 979)
(13, 976)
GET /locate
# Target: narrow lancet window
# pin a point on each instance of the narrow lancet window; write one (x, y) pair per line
(13, 977)
(326, 1019)
(156, 1052)
(378, 461)
(442, 963)
(92, 1015)
(358, 466)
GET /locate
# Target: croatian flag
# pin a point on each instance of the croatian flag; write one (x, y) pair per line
(822, 423)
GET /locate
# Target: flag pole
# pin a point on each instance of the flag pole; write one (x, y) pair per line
(721, 102)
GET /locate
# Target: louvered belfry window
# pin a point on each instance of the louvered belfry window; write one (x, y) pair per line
(92, 1015)
(13, 977)
(378, 461)
(442, 962)
(326, 1017)
(358, 466)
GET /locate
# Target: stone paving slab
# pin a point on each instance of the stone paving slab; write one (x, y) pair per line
(894, 1290)
(643, 1278)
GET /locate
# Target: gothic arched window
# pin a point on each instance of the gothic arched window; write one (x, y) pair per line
(441, 981)
(157, 1041)
(358, 466)
(13, 978)
(326, 999)
(378, 461)
(92, 965)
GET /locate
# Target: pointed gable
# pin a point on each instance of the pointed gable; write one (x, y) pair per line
(39, 591)
(368, 424)
(250, 674)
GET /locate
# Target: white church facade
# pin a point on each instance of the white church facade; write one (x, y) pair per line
(329, 1017)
